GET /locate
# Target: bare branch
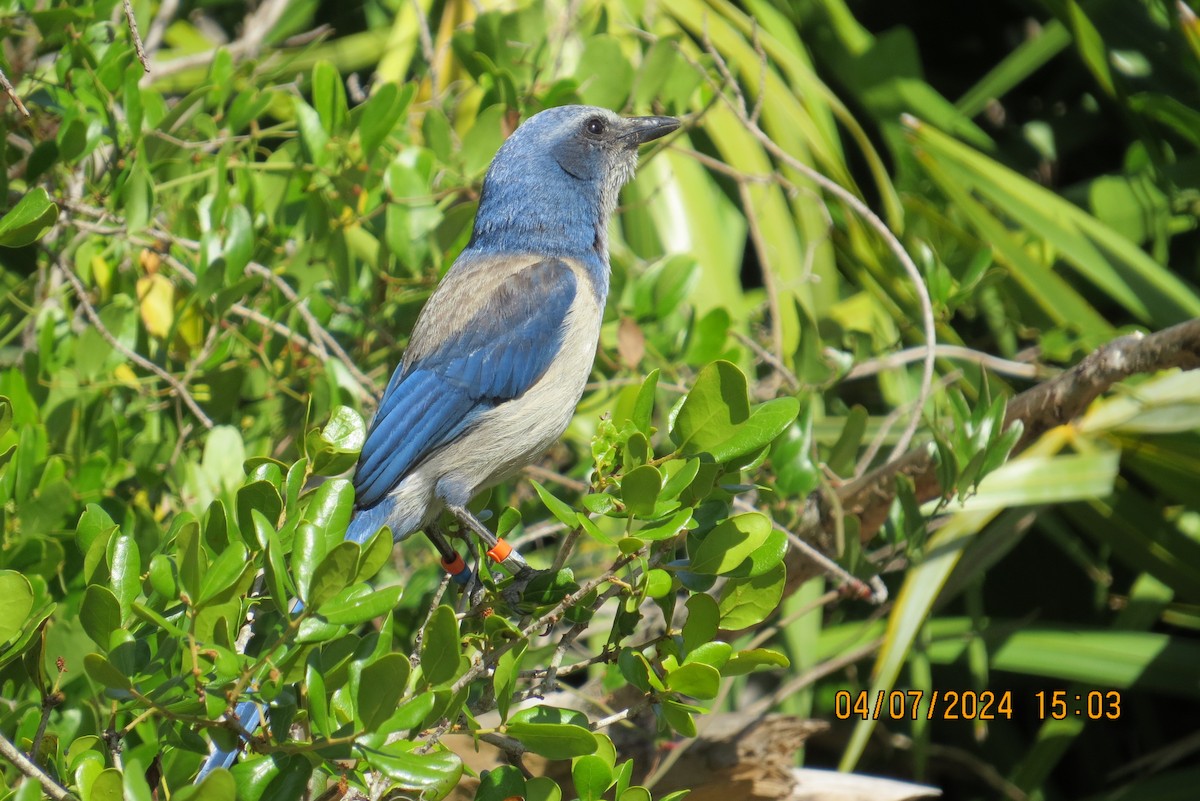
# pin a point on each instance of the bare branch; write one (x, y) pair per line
(1057, 401)
(52, 788)
(955, 352)
(131, 21)
(12, 95)
(315, 329)
(737, 104)
(141, 361)
(158, 26)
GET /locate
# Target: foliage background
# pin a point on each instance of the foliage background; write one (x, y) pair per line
(262, 223)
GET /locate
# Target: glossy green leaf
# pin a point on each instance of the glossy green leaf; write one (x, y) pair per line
(100, 612)
(729, 544)
(440, 647)
(639, 490)
(271, 778)
(592, 775)
(28, 220)
(358, 604)
(333, 574)
(435, 773)
(553, 740)
(16, 602)
(715, 654)
(749, 601)
(744, 662)
(695, 679)
(380, 689)
(703, 619)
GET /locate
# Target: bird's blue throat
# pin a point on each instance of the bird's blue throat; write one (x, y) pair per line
(547, 212)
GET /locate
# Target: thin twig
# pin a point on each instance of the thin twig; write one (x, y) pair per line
(158, 26)
(137, 38)
(876, 592)
(774, 361)
(315, 329)
(12, 95)
(255, 28)
(22, 763)
(738, 104)
(180, 390)
(955, 352)
(425, 37)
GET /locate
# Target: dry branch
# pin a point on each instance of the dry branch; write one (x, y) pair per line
(1055, 402)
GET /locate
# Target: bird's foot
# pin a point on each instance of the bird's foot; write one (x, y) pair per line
(514, 592)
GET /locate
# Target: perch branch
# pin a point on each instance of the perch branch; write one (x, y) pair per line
(1040, 408)
(22, 763)
(133, 356)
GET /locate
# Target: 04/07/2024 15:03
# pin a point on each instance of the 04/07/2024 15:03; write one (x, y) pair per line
(974, 704)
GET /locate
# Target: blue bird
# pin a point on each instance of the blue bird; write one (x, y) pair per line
(501, 352)
(503, 347)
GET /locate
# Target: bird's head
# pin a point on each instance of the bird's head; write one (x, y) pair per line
(554, 183)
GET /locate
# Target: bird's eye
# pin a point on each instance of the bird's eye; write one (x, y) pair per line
(594, 126)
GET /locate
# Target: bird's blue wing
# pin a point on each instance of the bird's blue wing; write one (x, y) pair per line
(499, 353)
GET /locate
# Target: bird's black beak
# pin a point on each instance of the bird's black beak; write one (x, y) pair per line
(640, 130)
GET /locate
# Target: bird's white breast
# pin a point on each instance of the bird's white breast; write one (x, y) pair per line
(514, 434)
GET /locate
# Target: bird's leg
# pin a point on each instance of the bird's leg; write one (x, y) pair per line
(499, 550)
(452, 561)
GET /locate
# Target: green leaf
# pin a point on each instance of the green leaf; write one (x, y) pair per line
(553, 740)
(318, 701)
(217, 786)
(380, 689)
(695, 679)
(604, 74)
(329, 96)
(26, 222)
(381, 112)
(238, 247)
(542, 788)
(16, 602)
(411, 713)
(107, 786)
(375, 553)
(747, 602)
(358, 604)
(313, 138)
(125, 569)
(103, 672)
(334, 448)
(502, 784)
(308, 550)
(658, 583)
(767, 421)
(592, 775)
(715, 406)
(748, 661)
(643, 405)
(637, 671)
(6, 415)
(639, 490)
(432, 774)
(679, 717)
(504, 680)
(703, 620)
(729, 543)
(764, 557)
(714, 653)
(560, 509)
(100, 613)
(336, 571)
(277, 777)
(440, 650)
(223, 574)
